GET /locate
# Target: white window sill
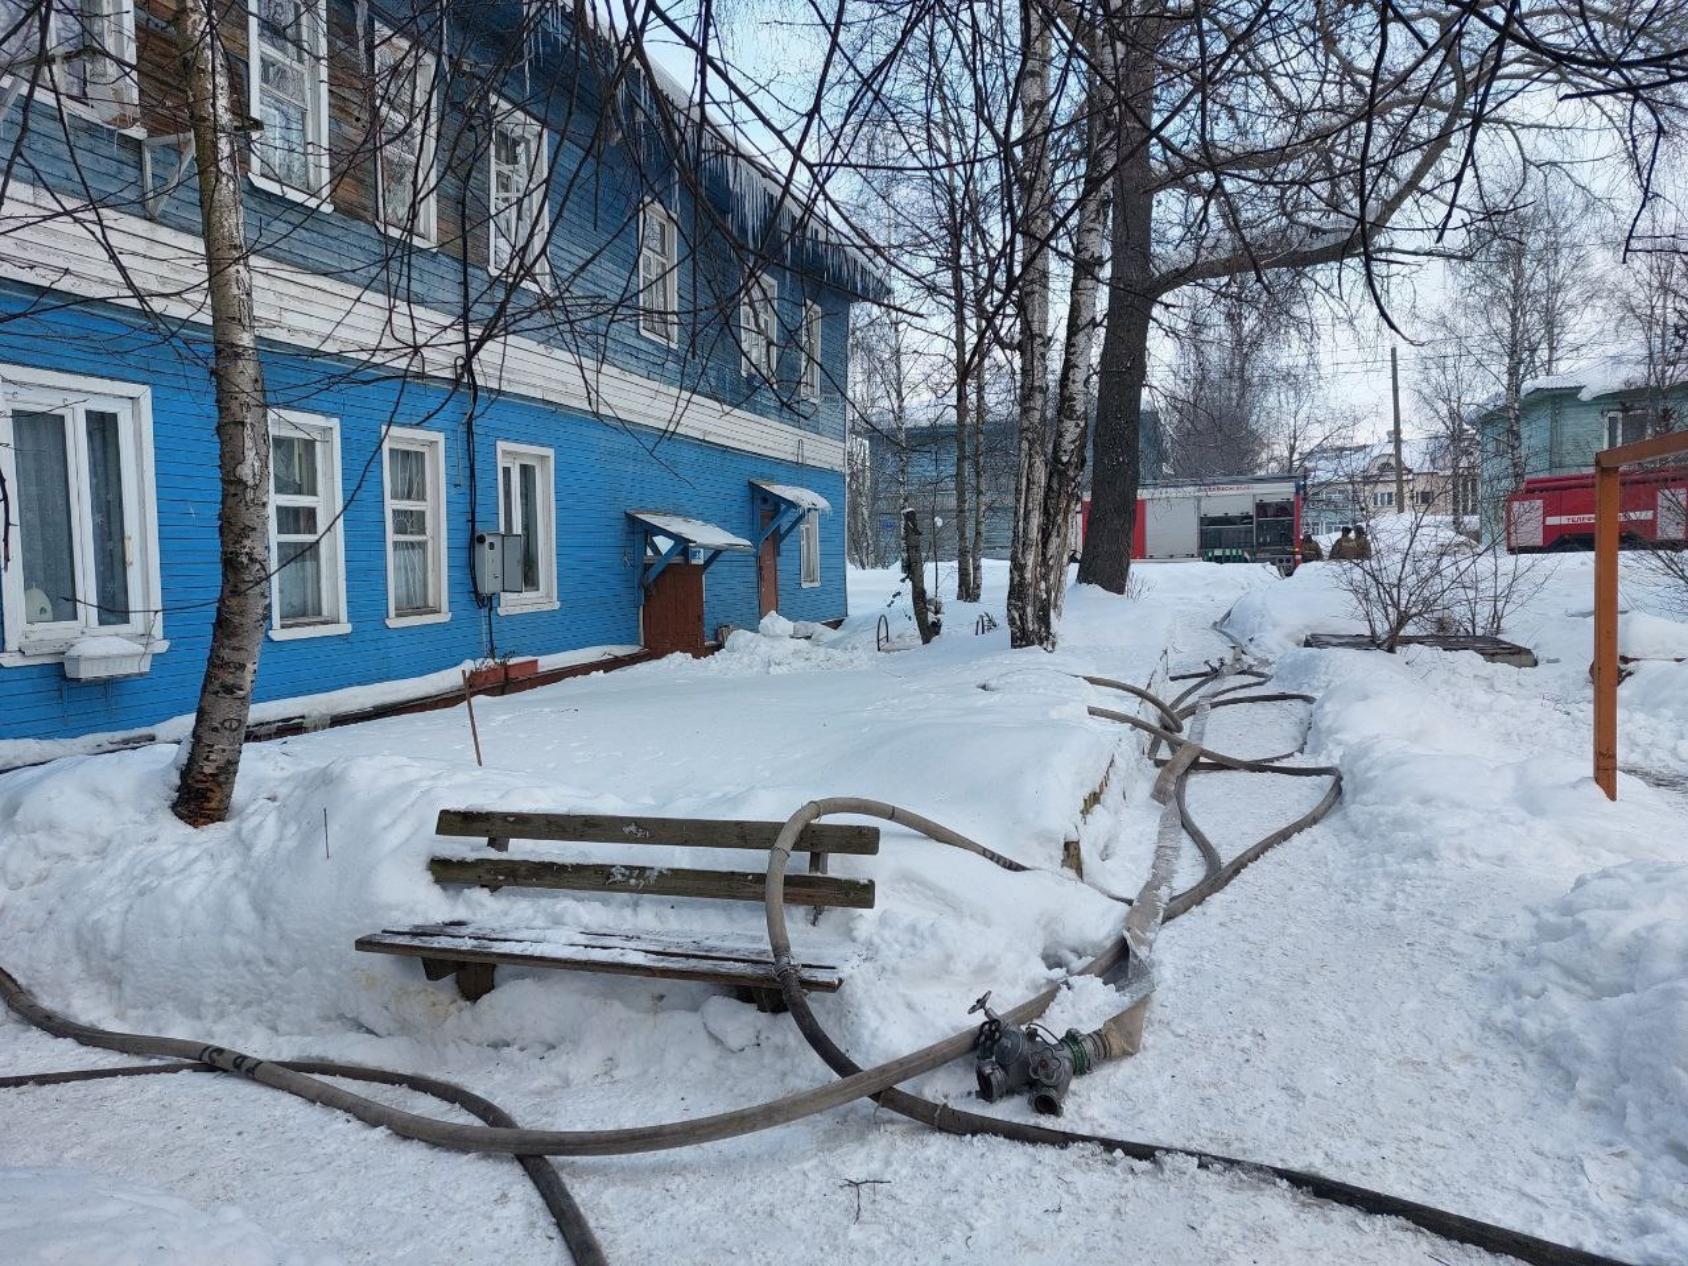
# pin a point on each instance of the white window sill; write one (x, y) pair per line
(53, 652)
(301, 631)
(406, 621)
(422, 241)
(522, 607)
(316, 201)
(809, 584)
(668, 341)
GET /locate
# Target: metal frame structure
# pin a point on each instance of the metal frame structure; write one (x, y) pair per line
(1608, 505)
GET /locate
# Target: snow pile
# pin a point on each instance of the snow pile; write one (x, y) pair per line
(1273, 619)
(777, 647)
(68, 1217)
(1602, 993)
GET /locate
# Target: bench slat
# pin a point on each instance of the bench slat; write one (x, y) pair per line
(592, 828)
(725, 885)
(724, 962)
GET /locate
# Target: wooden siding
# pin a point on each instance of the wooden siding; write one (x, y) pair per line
(594, 201)
(602, 470)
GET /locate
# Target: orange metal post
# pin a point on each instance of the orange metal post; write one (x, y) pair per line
(1608, 525)
(1607, 521)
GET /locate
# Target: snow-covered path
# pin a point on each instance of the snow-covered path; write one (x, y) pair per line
(1404, 997)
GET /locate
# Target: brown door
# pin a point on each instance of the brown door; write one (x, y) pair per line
(768, 569)
(674, 611)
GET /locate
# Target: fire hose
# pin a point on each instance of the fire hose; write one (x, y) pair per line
(498, 1133)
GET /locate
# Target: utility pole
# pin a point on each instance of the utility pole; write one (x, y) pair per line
(1400, 472)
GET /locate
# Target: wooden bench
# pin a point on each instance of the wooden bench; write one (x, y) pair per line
(473, 952)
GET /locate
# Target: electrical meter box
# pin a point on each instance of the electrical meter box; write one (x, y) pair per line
(498, 563)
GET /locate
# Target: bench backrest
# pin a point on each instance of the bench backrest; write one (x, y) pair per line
(593, 828)
(498, 828)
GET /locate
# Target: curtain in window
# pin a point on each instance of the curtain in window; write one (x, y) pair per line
(408, 468)
(44, 524)
(530, 528)
(299, 583)
(105, 497)
(293, 459)
(410, 578)
(407, 490)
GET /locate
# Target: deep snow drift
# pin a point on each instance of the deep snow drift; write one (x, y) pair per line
(1467, 986)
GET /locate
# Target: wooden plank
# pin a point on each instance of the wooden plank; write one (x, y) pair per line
(592, 828)
(654, 881)
(627, 954)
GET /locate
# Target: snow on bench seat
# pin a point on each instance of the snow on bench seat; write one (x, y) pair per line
(724, 959)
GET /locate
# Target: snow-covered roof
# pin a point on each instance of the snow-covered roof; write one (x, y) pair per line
(1421, 453)
(1601, 376)
(691, 531)
(791, 494)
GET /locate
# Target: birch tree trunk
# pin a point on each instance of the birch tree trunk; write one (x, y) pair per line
(1032, 294)
(243, 438)
(1072, 409)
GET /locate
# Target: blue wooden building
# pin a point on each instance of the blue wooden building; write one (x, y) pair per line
(507, 290)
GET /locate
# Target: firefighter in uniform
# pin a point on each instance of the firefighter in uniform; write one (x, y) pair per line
(1310, 551)
(1362, 543)
(1342, 549)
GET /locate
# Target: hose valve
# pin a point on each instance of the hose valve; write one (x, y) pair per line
(1033, 1059)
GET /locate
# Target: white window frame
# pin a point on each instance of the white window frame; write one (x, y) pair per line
(809, 550)
(431, 444)
(109, 92)
(659, 277)
(759, 328)
(1383, 499)
(534, 199)
(393, 52)
(329, 505)
(316, 105)
(809, 386)
(510, 457)
(47, 391)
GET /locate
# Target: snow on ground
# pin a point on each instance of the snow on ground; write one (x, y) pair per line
(61, 1217)
(1469, 986)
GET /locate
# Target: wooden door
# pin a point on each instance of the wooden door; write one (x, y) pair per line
(768, 569)
(673, 616)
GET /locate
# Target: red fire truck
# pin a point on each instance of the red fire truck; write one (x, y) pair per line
(1247, 519)
(1556, 512)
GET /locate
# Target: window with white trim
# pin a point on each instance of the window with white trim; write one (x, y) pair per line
(809, 550)
(759, 328)
(76, 458)
(811, 382)
(287, 43)
(307, 556)
(516, 179)
(87, 52)
(416, 526)
(406, 122)
(527, 507)
(659, 277)
(1382, 500)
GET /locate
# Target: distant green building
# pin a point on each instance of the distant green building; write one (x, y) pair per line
(1566, 418)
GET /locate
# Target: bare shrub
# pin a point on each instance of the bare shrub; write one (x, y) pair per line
(1412, 577)
(1494, 586)
(1666, 571)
